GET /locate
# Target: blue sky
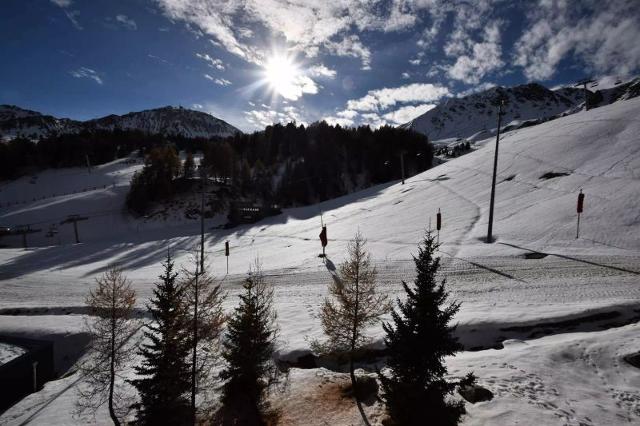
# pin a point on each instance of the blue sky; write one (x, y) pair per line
(254, 62)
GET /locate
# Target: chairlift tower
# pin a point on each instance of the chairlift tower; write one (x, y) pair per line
(24, 230)
(74, 218)
(584, 83)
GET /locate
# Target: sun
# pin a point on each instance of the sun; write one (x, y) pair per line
(282, 75)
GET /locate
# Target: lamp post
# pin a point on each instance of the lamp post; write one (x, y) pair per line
(493, 180)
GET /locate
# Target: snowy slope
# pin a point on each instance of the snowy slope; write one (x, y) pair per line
(503, 294)
(598, 150)
(169, 121)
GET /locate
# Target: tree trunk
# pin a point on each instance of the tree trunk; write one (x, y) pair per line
(354, 336)
(194, 351)
(112, 366)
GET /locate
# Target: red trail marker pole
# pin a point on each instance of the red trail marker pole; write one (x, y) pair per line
(438, 224)
(579, 209)
(226, 253)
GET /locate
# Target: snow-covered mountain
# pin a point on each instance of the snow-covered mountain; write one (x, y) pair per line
(169, 121)
(620, 92)
(474, 117)
(15, 121)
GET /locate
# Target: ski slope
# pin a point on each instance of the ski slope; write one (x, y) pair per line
(598, 149)
(569, 291)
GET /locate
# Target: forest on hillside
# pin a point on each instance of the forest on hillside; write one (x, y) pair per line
(288, 165)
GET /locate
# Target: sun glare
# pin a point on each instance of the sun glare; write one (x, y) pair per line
(281, 74)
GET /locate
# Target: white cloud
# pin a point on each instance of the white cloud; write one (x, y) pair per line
(222, 81)
(297, 87)
(84, 72)
(266, 116)
(158, 58)
(127, 22)
(352, 46)
(483, 58)
(339, 121)
(405, 75)
(388, 97)
(603, 35)
(407, 113)
(348, 113)
(307, 26)
(213, 63)
(62, 3)
(475, 89)
(321, 71)
(72, 15)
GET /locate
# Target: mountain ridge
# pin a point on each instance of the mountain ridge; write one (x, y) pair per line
(168, 121)
(474, 117)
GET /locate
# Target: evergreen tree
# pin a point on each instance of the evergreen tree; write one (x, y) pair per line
(417, 340)
(165, 381)
(248, 351)
(189, 167)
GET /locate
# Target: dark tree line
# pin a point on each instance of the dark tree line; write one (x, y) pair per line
(22, 156)
(156, 180)
(298, 165)
(288, 165)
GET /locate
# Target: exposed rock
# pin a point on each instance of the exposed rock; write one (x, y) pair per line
(475, 393)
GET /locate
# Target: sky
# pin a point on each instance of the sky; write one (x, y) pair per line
(256, 62)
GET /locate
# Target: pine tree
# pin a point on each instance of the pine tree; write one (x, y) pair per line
(111, 304)
(417, 340)
(248, 351)
(189, 167)
(165, 381)
(354, 306)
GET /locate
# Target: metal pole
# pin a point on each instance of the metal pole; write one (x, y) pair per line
(195, 349)
(203, 176)
(402, 165)
(75, 229)
(34, 367)
(493, 180)
(578, 229)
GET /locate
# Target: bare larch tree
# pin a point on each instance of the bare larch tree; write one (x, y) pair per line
(204, 298)
(353, 305)
(111, 324)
